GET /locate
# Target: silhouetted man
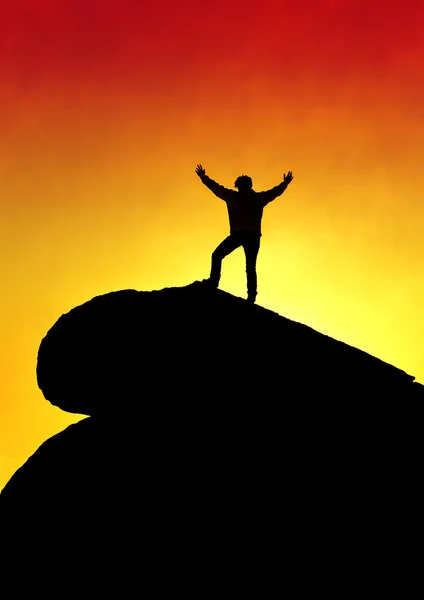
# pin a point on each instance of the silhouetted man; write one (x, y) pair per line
(245, 209)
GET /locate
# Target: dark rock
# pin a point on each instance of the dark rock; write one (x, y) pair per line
(181, 343)
(219, 432)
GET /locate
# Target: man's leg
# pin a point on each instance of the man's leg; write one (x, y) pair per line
(251, 245)
(226, 247)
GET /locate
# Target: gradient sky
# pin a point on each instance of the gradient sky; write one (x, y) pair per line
(106, 107)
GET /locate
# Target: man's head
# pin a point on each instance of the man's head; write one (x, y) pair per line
(243, 183)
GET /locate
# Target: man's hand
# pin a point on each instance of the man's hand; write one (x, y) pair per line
(200, 171)
(288, 177)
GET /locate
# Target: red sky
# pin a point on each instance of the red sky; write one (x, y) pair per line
(106, 107)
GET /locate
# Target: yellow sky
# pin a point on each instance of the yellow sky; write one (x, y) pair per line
(99, 191)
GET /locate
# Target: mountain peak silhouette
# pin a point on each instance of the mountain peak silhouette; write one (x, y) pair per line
(118, 345)
(207, 418)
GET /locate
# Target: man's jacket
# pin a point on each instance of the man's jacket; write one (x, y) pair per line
(245, 208)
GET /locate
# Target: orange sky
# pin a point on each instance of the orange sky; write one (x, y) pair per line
(107, 106)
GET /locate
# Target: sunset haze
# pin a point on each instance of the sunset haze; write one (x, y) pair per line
(107, 107)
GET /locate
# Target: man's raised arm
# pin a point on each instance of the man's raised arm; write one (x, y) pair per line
(219, 190)
(276, 191)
